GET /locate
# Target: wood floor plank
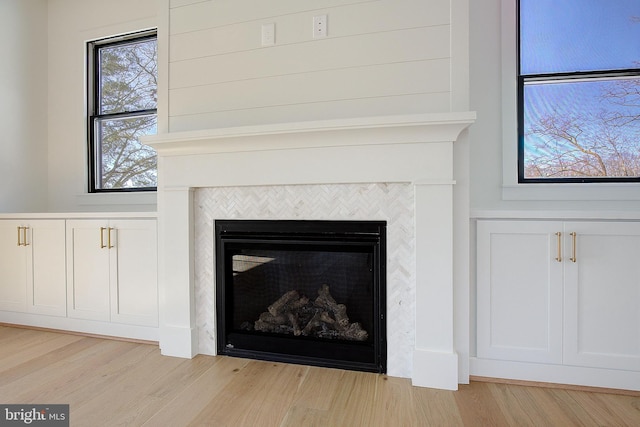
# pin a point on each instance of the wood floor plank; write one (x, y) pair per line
(478, 407)
(570, 401)
(318, 388)
(354, 401)
(436, 408)
(624, 410)
(163, 389)
(127, 389)
(30, 344)
(299, 416)
(261, 395)
(46, 359)
(532, 406)
(115, 383)
(394, 402)
(197, 395)
(65, 378)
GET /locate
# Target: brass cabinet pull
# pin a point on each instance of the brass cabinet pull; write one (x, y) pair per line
(22, 236)
(573, 248)
(102, 245)
(109, 245)
(559, 238)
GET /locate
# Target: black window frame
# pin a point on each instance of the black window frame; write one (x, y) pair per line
(523, 80)
(93, 103)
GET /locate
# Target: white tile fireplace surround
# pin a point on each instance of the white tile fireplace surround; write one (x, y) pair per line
(394, 168)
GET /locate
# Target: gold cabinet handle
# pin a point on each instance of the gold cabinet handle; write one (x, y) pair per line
(102, 245)
(573, 247)
(24, 236)
(109, 245)
(559, 253)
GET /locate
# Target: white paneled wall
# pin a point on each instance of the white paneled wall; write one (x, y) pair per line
(380, 57)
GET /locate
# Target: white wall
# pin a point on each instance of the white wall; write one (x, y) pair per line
(380, 57)
(23, 105)
(71, 24)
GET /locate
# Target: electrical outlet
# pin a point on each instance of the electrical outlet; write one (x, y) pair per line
(269, 34)
(319, 26)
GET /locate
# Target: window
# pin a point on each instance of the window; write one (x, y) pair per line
(122, 102)
(578, 91)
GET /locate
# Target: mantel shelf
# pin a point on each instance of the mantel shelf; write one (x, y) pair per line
(345, 132)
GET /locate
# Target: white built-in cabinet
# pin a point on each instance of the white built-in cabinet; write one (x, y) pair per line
(112, 270)
(558, 293)
(89, 273)
(32, 266)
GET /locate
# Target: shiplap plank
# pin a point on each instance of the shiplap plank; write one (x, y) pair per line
(351, 20)
(370, 49)
(360, 82)
(381, 106)
(211, 14)
(182, 3)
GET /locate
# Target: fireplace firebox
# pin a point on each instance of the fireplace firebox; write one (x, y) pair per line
(308, 292)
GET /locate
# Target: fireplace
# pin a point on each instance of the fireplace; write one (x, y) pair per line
(273, 172)
(310, 292)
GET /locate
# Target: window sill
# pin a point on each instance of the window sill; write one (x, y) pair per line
(135, 201)
(573, 192)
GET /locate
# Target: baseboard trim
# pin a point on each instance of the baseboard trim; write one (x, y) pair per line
(599, 379)
(82, 334)
(571, 387)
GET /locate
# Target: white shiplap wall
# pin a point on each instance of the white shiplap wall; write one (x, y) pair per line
(380, 57)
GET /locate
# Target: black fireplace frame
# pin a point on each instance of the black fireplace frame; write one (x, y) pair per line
(370, 356)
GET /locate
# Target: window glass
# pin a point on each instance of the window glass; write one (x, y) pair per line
(128, 77)
(582, 129)
(579, 91)
(565, 35)
(124, 161)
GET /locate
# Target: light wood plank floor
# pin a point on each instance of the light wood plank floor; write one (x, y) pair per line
(115, 383)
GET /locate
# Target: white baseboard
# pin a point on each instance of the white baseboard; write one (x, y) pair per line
(559, 374)
(178, 341)
(435, 370)
(106, 329)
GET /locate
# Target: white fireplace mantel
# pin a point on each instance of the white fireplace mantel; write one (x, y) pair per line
(412, 149)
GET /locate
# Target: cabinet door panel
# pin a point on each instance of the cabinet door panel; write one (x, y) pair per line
(134, 265)
(519, 291)
(87, 270)
(47, 289)
(13, 265)
(602, 318)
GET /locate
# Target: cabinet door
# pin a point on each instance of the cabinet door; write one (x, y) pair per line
(88, 269)
(134, 272)
(46, 289)
(13, 266)
(602, 313)
(519, 291)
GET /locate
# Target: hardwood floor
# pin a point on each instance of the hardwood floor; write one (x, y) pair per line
(115, 383)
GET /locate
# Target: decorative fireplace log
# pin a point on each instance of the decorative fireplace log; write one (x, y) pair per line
(278, 306)
(323, 318)
(325, 300)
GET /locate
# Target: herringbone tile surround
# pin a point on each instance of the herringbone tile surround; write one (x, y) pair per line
(379, 201)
